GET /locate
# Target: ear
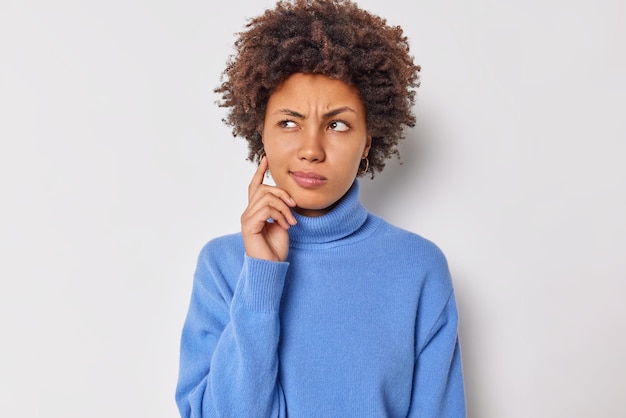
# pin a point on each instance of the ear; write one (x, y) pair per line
(368, 145)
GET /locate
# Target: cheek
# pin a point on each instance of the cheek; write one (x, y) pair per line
(356, 156)
(277, 151)
(274, 164)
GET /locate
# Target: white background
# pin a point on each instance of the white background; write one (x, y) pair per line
(115, 169)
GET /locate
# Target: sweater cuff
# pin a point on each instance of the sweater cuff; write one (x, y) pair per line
(260, 285)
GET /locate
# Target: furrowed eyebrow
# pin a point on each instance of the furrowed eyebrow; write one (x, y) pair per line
(337, 111)
(326, 115)
(288, 112)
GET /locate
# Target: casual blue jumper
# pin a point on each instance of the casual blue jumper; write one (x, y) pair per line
(360, 321)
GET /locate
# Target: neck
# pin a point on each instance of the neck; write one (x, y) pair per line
(314, 213)
(337, 222)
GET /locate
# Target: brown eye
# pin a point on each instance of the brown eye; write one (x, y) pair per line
(287, 124)
(338, 126)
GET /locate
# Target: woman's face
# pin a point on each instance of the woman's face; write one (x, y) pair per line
(315, 136)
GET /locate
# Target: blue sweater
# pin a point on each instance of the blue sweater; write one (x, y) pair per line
(360, 321)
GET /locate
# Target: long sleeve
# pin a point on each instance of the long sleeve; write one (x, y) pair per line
(438, 389)
(228, 356)
(360, 322)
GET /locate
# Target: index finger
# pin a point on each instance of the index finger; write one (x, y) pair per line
(257, 178)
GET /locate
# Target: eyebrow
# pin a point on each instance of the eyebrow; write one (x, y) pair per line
(326, 115)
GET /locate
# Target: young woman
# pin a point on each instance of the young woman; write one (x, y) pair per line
(318, 308)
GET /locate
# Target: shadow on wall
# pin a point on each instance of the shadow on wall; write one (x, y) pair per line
(469, 320)
(387, 192)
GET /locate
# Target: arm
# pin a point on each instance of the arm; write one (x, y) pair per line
(229, 347)
(438, 377)
(229, 360)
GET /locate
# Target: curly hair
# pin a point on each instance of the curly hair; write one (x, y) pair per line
(334, 38)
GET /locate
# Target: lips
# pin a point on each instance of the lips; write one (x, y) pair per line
(308, 179)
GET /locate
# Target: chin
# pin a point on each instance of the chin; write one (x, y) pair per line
(307, 205)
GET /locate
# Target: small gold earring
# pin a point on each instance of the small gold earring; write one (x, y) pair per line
(367, 166)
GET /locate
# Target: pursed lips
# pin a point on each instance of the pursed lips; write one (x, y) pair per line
(307, 178)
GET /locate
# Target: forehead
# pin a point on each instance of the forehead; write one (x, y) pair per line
(317, 90)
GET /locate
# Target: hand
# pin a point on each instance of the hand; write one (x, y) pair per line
(263, 239)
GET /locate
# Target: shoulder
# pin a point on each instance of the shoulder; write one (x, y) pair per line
(226, 244)
(412, 245)
(427, 266)
(221, 256)
(418, 259)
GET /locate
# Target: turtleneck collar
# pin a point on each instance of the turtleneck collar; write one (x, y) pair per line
(341, 221)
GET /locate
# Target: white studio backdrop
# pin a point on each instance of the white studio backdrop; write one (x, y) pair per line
(115, 169)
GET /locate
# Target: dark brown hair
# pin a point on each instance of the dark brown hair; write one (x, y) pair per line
(331, 37)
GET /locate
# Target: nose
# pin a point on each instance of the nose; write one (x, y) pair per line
(312, 146)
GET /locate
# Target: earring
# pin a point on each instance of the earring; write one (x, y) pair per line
(367, 166)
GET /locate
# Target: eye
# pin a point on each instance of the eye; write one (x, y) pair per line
(287, 124)
(338, 126)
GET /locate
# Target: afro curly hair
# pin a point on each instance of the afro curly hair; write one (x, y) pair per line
(334, 38)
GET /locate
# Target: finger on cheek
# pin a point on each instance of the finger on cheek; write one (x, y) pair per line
(267, 167)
